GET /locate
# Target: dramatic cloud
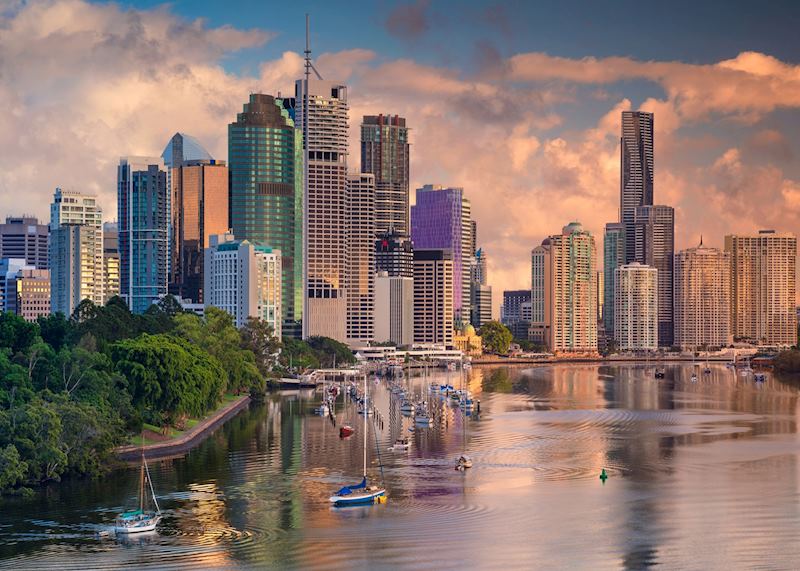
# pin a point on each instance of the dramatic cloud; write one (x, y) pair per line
(408, 21)
(533, 139)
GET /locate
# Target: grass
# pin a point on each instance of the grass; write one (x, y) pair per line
(173, 433)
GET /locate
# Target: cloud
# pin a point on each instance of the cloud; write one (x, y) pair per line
(408, 21)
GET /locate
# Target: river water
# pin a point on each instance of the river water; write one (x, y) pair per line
(702, 475)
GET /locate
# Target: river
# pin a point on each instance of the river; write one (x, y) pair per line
(702, 475)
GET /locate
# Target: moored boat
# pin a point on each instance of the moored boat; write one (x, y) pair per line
(140, 520)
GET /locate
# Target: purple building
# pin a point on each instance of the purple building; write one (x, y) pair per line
(441, 219)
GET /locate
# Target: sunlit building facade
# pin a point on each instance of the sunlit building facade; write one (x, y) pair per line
(23, 237)
(654, 228)
(385, 153)
(613, 257)
(110, 260)
(360, 258)
(433, 296)
(636, 307)
(636, 172)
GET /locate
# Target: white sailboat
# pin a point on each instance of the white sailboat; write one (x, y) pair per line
(361, 493)
(141, 520)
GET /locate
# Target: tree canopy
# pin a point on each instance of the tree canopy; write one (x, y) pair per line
(496, 337)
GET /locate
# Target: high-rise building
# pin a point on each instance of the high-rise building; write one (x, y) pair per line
(511, 310)
(763, 287)
(182, 148)
(600, 295)
(654, 228)
(433, 296)
(394, 309)
(23, 237)
(322, 110)
(702, 298)
(76, 251)
(563, 294)
(636, 307)
(243, 279)
(110, 260)
(636, 172)
(265, 159)
(143, 206)
(480, 290)
(199, 199)
(384, 153)
(613, 257)
(441, 219)
(394, 254)
(24, 289)
(360, 258)
(480, 268)
(9, 268)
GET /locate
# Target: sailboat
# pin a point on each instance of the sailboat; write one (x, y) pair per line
(361, 493)
(463, 461)
(141, 520)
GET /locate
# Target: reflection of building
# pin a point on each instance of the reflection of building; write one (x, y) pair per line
(433, 296)
(763, 287)
(394, 309)
(22, 237)
(468, 341)
(655, 247)
(24, 289)
(110, 260)
(563, 295)
(441, 219)
(243, 279)
(636, 307)
(143, 209)
(702, 298)
(360, 258)
(265, 161)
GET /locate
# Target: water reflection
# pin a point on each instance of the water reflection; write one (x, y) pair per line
(711, 461)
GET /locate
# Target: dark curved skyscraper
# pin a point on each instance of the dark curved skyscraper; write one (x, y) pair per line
(636, 172)
(265, 160)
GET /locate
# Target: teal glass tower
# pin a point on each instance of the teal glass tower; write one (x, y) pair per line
(265, 161)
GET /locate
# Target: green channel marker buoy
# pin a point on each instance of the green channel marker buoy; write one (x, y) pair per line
(603, 475)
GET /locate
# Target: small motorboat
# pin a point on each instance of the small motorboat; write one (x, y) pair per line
(694, 377)
(463, 462)
(422, 419)
(759, 377)
(660, 374)
(346, 431)
(401, 444)
(322, 409)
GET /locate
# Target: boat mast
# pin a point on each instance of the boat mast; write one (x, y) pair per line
(366, 412)
(141, 478)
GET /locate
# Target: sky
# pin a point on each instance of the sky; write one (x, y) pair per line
(517, 102)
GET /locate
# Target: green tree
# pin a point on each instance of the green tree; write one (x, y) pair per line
(12, 468)
(331, 352)
(258, 336)
(297, 355)
(54, 329)
(496, 337)
(15, 333)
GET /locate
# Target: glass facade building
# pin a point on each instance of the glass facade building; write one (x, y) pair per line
(265, 160)
(636, 172)
(613, 257)
(143, 206)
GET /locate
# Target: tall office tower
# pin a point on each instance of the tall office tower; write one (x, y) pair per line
(323, 112)
(512, 314)
(22, 237)
(636, 172)
(433, 296)
(654, 237)
(394, 309)
(199, 199)
(394, 254)
(600, 295)
(265, 159)
(763, 287)
(76, 250)
(110, 260)
(360, 285)
(563, 296)
(613, 257)
(143, 206)
(636, 307)
(441, 219)
(24, 289)
(384, 153)
(480, 269)
(702, 298)
(480, 290)
(244, 279)
(181, 148)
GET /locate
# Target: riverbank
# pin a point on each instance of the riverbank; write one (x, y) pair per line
(188, 439)
(495, 360)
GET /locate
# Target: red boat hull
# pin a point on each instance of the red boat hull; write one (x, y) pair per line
(345, 431)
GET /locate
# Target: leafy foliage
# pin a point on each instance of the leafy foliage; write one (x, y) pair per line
(496, 337)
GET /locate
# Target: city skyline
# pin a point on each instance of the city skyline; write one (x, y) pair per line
(724, 141)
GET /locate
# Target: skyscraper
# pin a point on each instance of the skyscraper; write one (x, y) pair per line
(23, 237)
(654, 228)
(394, 309)
(702, 298)
(244, 279)
(480, 290)
(199, 198)
(24, 289)
(76, 251)
(394, 254)
(441, 219)
(110, 260)
(511, 314)
(563, 296)
(613, 257)
(360, 258)
(384, 153)
(636, 307)
(322, 110)
(636, 172)
(763, 287)
(181, 148)
(265, 159)
(433, 296)
(143, 206)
